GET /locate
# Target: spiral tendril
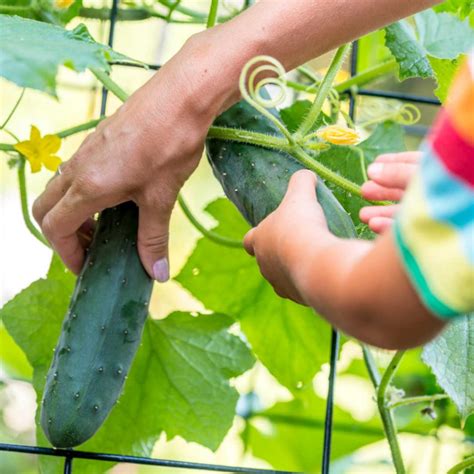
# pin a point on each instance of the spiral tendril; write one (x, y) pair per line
(251, 87)
(404, 114)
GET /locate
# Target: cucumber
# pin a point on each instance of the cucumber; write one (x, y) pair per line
(255, 179)
(101, 332)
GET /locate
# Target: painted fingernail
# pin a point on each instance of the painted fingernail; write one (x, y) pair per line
(161, 270)
(375, 170)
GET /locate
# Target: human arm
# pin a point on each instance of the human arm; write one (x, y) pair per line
(360, 287)
(150, 146)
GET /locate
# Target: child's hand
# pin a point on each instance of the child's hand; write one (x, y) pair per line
(389, 177)
(274, 242)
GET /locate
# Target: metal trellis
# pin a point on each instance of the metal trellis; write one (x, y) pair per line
(69, 455)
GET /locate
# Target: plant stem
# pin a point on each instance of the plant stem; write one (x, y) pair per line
(132, 14)
(367, 76)
(211, 235)
(247, 136)
(323, 91)
(325, 173)
(414, 400)
(386, 414)
(25, 11)
(79, 128)
(24, 203)
(10, 115)
(468, 462)
(358, 80)
(212, 17)
(374, 373)
(110, 84)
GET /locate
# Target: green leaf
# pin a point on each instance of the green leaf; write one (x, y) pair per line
(409, 53)
(437, 35)
(372, 50)
(32, 51)
(461, 8)
(293, 115)
(387, 137)
(290, 340)
(442, 35)
(179, 381)
(294, 439)
(444, 71)
(451, 358)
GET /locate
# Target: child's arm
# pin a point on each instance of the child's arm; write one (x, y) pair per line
(359, 287)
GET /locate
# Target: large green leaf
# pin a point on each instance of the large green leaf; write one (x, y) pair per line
(409, 53)
(430, 49)
(294, 440)
(444, 70)
(451, 357)
(290, 340)
(32, 51)
(179, 381)
(442, 35)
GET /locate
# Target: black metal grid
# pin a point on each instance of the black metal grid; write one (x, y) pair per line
(69, 455)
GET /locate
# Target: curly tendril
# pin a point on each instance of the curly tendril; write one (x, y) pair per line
(251, 87)
(404, 114)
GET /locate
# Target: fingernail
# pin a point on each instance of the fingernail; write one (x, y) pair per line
(161, 270)
(375, 170)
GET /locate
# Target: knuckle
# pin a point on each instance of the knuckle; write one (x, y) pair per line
(90, 185)
(36, 210)
(48, 227)
(155, 243)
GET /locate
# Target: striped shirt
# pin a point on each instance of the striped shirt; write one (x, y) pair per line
(434, 230)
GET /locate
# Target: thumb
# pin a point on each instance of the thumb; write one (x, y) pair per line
(153, 233)
(302, 185)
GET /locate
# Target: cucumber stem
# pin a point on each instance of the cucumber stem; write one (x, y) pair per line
(212, 17)
(24, 203)
(415, 400)
(323, 92)
(211, 235)
(386, 413)
(463, 465)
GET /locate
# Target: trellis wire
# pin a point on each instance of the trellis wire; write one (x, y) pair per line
(69, 455)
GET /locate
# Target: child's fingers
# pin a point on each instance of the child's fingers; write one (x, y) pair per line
(403, 157)
(249, 241)
(392, 175)
(302, 185)
(380, 224)
(370, 212)
(374, 192)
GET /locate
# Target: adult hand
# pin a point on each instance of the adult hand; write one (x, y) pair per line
(143, 153)
(389, 177)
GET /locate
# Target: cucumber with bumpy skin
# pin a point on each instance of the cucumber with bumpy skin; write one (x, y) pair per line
(255, 179)
(100, 334)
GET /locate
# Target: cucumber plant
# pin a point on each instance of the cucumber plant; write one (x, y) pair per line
(253, 149)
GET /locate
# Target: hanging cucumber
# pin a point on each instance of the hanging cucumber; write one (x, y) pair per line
(255, 179)
(100, 334)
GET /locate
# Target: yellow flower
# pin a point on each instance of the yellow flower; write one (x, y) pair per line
(40, 150)
(338, 135)
(63, 3)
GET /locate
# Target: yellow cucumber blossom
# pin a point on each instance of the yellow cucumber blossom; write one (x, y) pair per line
(61, 4)
(338, 135)
(40, 150)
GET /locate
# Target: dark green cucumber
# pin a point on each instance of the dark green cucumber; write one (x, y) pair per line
(255, 179)
(101, 332)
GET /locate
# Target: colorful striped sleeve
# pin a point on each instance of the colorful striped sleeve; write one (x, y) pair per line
(434, 230)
